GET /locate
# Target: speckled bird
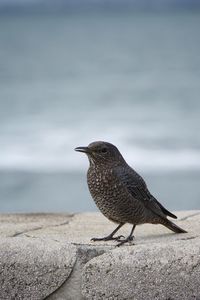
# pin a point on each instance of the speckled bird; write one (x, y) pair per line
(121, 193)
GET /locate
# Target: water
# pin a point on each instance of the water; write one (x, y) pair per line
(67, 79)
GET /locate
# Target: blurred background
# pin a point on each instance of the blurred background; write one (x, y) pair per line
(72, 72)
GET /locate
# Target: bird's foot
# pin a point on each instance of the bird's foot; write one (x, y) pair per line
(127, 240)
(108, 238)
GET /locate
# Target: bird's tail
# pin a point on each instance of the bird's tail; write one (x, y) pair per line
(170, 225)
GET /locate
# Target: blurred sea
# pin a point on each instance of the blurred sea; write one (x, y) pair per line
(70, 78)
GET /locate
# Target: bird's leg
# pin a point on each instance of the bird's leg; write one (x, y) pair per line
(110, 236)
(129, 238)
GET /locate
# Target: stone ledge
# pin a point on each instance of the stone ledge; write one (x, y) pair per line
(50, 256)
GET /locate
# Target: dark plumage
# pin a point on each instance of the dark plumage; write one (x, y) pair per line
(120, 193)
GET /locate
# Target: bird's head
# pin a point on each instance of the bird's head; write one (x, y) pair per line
(101, 153)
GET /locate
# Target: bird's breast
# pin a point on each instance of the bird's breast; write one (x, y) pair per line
(103, 186)
(98, 182)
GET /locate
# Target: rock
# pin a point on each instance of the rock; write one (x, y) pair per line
(33, 268)
(16, 224)
(160, 271)
(50, 256)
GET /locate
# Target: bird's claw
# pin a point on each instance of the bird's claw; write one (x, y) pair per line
(97, 239)
(108, 238)
(128, 239)
(119, 238)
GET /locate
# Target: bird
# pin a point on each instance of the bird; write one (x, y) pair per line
(120, 193)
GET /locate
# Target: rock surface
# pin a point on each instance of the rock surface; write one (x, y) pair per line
(50, 256)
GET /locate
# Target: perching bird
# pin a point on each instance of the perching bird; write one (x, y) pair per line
(120, 193)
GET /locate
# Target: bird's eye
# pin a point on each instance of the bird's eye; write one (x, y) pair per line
(104, 150)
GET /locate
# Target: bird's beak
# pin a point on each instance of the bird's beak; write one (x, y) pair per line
(82, 149)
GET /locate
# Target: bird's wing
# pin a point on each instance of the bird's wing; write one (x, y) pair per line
(137, 187)
(164, 210)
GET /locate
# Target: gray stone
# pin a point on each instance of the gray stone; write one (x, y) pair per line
(50, 256)
(71, 289)
(33, 269)
(16, 224)
(157, 271)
